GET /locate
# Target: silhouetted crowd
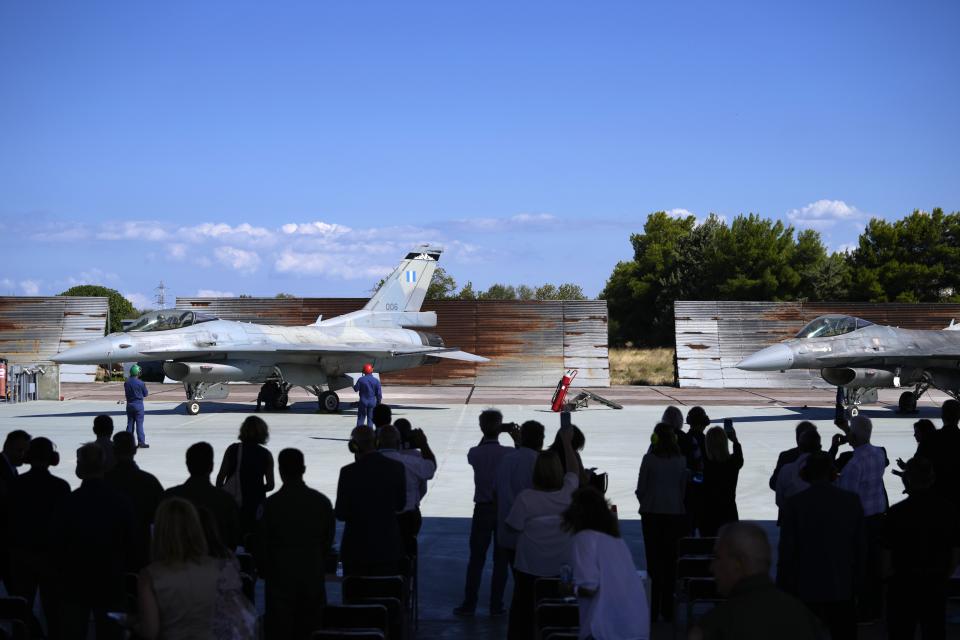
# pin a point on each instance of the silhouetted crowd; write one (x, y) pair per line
(121, 556)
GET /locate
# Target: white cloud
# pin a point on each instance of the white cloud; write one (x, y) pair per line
(352, 265)
(518, 222)
(7, 286)
(30, 287)
(213, 293)
(222, 231)
(316, 228)
(177, 250)
(139, 300)
(680, 213)
(824, 214)
(65, 232)
(847, 247)
(136, 230)
(239, 259)
(93, 276)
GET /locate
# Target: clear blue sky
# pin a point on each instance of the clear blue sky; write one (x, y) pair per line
(199, 142)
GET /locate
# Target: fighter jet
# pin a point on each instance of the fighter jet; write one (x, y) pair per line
(205, 353)
(861, 357)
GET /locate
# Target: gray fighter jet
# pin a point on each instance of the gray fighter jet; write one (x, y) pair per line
(861, 357)
(206, 353)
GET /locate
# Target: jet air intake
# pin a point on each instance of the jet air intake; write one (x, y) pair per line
(226, 371)
(848, 377)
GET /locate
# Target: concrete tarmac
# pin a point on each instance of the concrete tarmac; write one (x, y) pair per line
(615, 443)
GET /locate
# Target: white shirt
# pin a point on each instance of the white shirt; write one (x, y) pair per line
(543, 546)
(514, 475)
(418, 469)
(619, 608)
(789, 482)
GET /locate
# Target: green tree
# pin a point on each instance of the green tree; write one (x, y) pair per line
(120, 308)
(467, 292)
(570, 291)
(285, 296)
(499, 292)
(914, 259)
(639, 312)
(525, 292)
(442, 286)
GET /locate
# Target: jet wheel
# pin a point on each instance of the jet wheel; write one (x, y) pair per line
(280, 402)
(908, 402)
(193, 408)
(329, 401)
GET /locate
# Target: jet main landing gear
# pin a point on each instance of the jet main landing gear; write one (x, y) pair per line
(908, 399)
(329, 402)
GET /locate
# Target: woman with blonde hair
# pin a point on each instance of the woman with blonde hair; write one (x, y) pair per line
(246, 471)
(721, 470)
(180, 592)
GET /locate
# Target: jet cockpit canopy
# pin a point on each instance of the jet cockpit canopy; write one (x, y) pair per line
(832, 325)
(165, 319)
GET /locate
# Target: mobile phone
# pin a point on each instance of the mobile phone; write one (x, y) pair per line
(565, 419)
(728, 426)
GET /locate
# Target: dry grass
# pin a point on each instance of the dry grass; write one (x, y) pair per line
(642, 366)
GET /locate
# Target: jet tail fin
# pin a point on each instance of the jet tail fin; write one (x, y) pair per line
(405, 289)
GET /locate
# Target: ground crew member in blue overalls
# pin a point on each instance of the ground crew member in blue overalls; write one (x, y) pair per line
(370, 396)
(135, 391)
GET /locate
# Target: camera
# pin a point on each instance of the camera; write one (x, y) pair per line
(509, 427)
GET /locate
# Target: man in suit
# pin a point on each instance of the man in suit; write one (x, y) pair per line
(295, 535)
(370, 494)
(790, 455)
(94, 531)
(946, 445)
(822, 547)
(141, 489)
(921, 536)
(11, 458)
(34, 497)
(200, 491)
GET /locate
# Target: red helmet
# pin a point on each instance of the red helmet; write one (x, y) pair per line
(368, 368)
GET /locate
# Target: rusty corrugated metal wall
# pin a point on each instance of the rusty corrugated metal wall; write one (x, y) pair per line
(530, 343)
(33, 329)
(712, 337)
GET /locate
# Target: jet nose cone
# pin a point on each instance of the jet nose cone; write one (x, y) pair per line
(773, 358)
(93, 352)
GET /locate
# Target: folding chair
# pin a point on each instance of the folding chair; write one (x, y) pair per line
(361, 588)
(356, 617)
(356, 587)
(691, 591)
(556, 616)
(396, 616)
(546, 588)
(696, 547)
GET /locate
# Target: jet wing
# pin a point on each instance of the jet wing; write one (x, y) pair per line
(365, 348)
